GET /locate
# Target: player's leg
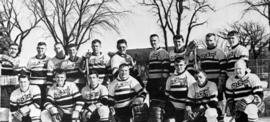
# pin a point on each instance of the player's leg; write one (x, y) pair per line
(170, 112)
(35, 114)
(123, 114)
(104, 113)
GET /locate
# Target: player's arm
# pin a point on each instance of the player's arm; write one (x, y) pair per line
(167, 87)
(140, 91)
(104, 93)
(213, 103)
(77, 96)
(257, 89)
(114, 64)
(111, 89)
(36, 97)
(165, 65)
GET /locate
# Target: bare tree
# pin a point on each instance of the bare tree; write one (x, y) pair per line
(252, 34)
(171, 13)
(262, 7)
(74, 21)
(13, 26)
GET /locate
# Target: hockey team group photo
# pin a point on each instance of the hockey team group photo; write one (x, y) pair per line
(134, 61)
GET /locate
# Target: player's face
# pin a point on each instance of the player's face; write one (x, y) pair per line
(60, 79)
(240, 69)
(200, 78)
(124, 72)
(154, 42)
(96, 47)
(13, 50)
(233, 40)
(24, 84)
(93, 80)
(58, 48)
(72, 51)
(178, 43)
(211, 41)
(122, 47)
(180, 66)
(41, 49)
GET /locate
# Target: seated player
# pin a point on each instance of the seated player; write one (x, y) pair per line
(63, 102)
(244, 94)
(25, 102)
(176, 91)
(95, 97)
(126, 92)
(201, 96)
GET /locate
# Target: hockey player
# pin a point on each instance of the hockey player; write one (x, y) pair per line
(60, 56)
(9, 64)
(73, 67)
(64, 101)
(120, 57)
(158, 73)
(213, 61)
(95, 97)
(38, 67)
(99, 61)
(244, 94)
(177, 87)
(127, 95)
(202, 95)
(178, 51)
(237, 52)
(25, 102)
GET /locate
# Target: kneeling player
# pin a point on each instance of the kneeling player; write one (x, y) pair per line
(202, 97)
(128, 95)
(176, 91)
(25, 102)
(63, 102)
(244, 94)
(95, 96)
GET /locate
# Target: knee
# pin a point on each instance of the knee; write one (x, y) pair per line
(104, 112)
(35, 114)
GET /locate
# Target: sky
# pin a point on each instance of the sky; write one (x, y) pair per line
(140, 23)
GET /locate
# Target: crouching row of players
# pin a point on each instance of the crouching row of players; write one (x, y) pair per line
(65, 103)
(187, 98)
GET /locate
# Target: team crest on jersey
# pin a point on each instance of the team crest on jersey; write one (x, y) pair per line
(122, 84)
(179, 81)
(24, 98)
(240, 83)
(232, 54)
(155, 56)
(91, 95)
(62, 92)
(202, 93)
(96, 61)
(208, 55)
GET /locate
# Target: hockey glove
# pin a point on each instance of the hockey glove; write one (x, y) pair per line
(240, 105)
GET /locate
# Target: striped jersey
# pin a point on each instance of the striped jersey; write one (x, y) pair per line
(38, 68)
(177, 88)
(100, 63)
(9, 70)
(159, 64)
(66, 97)
(19, 99)
(173, 55)
(201, 95)
(55, 63)
(94, 95)
(237, 52)
(213, 62)
(73, 69)
(239, 88)
(124, 91)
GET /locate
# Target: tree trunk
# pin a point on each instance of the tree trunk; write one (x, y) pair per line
(268, 22)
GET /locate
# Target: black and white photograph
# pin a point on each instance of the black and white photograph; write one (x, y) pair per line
(134, 60)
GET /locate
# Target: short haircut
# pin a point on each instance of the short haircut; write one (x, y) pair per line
(196, 72)
(93, 72)
(41, 44)
(58, 43)
(23, 75)
(123, 65)
(233, 33)
(96, 41)
(210, 34)
(179, 59)
(176, 37)
(72, 45)
(13, 44)
(59, 71)
(153, 35)
(121, 41)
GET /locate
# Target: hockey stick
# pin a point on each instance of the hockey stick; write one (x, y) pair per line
(87, 66)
